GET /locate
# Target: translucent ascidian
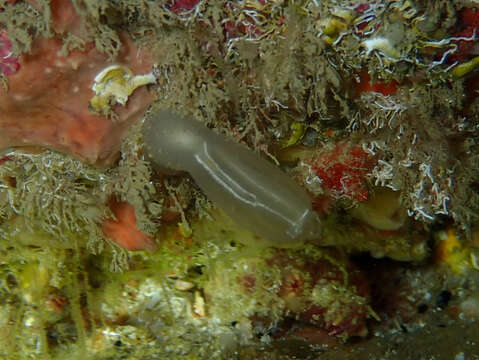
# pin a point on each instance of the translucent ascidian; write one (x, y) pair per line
(253, 192)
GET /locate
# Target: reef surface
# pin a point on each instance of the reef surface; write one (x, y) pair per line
(367, 110)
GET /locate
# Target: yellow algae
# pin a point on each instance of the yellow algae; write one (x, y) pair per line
(451, 251)
(334, 26)
(297, 132)
(184, 229)
(465, 68)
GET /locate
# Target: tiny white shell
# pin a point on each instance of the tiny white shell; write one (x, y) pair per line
(114, 84)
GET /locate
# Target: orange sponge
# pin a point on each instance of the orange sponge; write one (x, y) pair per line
(124, 231)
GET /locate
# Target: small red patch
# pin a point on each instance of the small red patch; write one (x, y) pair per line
(292, 284)
(468, 25)
(5, 159)
(469, 16)
(9, 64)
(56, 303)
(322, 205)
(362, 8)
(249, 281)
(180, 6)
(380, 86)
(343, 171)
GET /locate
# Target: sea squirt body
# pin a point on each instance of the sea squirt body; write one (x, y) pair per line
(256, 194)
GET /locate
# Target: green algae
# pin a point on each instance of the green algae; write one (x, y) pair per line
(65, 300)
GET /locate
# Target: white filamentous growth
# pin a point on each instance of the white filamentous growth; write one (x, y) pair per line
(253, 192)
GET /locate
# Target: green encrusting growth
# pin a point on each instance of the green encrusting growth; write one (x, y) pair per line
(86, 309)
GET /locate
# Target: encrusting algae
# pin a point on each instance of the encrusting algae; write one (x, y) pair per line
(364, 115)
